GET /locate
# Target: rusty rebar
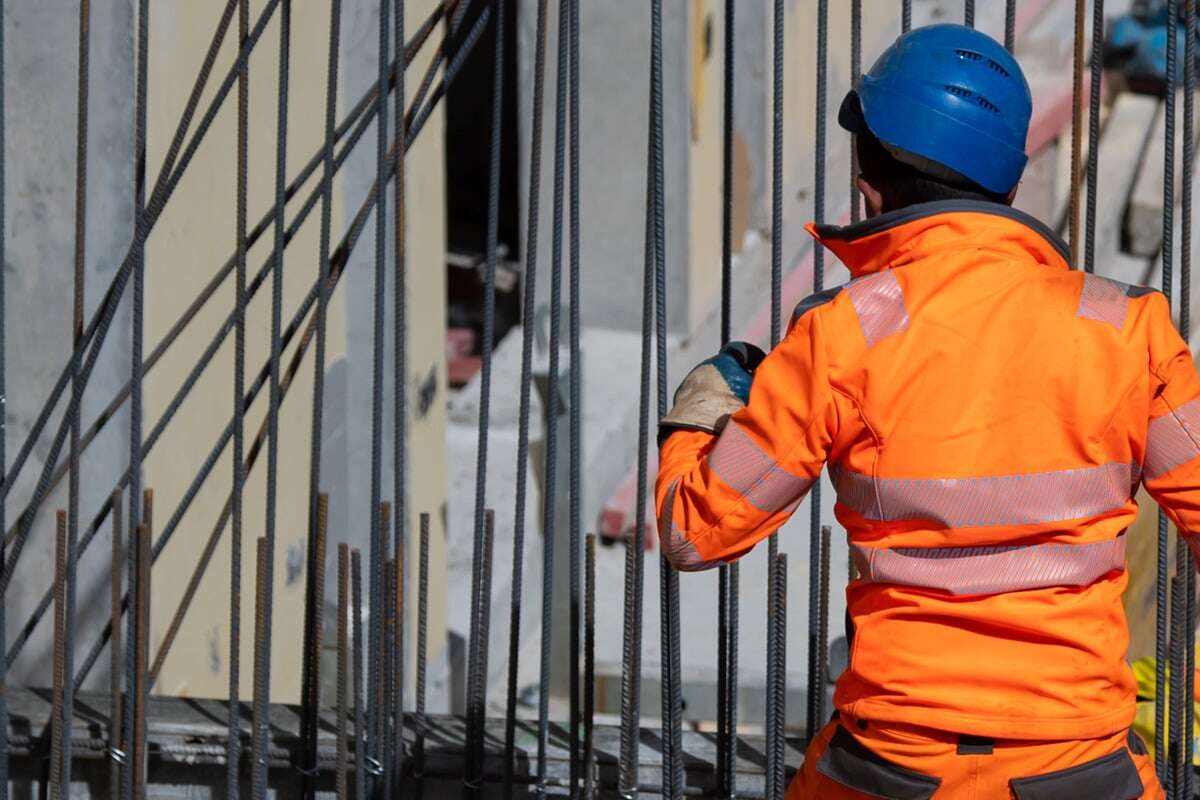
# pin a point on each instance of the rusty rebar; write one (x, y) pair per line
(314, 622)
(141, 692)
(422, 644)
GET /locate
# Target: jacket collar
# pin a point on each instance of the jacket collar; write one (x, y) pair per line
(908, 234)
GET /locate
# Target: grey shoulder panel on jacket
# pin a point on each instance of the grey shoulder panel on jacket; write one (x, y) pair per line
(815, 301)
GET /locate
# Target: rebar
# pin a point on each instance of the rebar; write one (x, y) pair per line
(116, 740)
(58, 723)
(315, 573)
(969, 13)
(1010, 25)
(3, 416)
(527, 314)
(360, 713)
(1076, 129)
(1185, 302)
(589, 669)
(905, 16)
(477, 680)
(343, 671)
(777, 679)
(575, 400)
(260, 740)
(1093, 172)
(422, 645)
(139, 762)
(1162, 759)
(233, 741)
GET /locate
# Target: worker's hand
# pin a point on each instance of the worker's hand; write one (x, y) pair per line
(713, 390)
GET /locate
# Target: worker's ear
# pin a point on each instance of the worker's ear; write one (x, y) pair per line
(872, 197)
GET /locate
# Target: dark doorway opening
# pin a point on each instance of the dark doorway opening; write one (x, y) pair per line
(468, 150)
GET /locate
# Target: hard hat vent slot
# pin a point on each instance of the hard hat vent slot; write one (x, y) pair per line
(967, 94)
(971, 55)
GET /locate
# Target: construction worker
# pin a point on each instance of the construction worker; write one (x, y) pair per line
(986, 413)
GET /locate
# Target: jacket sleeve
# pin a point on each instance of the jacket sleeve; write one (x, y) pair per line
(1171, 465)
(719, 495)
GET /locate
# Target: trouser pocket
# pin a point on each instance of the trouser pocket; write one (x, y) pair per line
(1112, 777)
(848, 762)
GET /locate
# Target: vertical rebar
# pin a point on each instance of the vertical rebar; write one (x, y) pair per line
(1162, 612)
(780, 20)
(266, 545)
(233, 742)
(260, 742)
(116, 744)
(855, 75)
(57, 727)
(726, 613)
(3, 424)
(314, 622)
(375, 710)
(905, 16)
(387, 693)
(482, 515)
(1178, 680)
(77, 387)
(589, 669)
(1089, 231)
(816, 694)
(575, 401)
(631, 641)
(1185, 301)
(1076, 128)
(360, 713)
(822, 659)
(777, 679)
(137, 313)
(400, 368)
(139, 762)
(1010, 25)
(969, 13)
(310, 679)
(477, 680)
(422, 641)
(527, 317)
(343, 670)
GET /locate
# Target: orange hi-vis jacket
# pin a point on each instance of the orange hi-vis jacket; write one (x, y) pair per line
(986, 414)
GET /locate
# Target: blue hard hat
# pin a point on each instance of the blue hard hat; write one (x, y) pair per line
(951, 102)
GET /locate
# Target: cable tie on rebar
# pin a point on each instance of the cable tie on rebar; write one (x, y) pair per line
(373, 766)
(117, 755)
(308, 773)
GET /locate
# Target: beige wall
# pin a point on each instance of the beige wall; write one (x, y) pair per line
(195, 235)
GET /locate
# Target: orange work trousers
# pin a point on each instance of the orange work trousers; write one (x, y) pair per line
(853, 759)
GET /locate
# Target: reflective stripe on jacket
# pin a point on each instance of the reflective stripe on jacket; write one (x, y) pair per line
(986, 414)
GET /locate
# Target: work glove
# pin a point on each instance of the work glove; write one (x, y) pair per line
(713, 390)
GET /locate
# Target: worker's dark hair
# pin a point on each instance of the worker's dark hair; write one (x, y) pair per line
(903, 185)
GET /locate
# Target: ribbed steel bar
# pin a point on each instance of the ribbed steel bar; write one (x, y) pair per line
(422, 645)
(855, 75)
(140, 691)
(575, 400)
(260, 740)
(482, 515)
(527, 316)
(266, 567)
(77, 386)
(315, 572)
(672, 695)
(1093, 156)
(314, 625)
(905, 16)
(816, 692)
(727, 617)
(1162, 612)
(233, 741)
(589, 669)
(387, 745)
(360, 713)
(3, 414)
(400, 380)
(376, 559)
(1010, 25)
(1185, 302)
(550, 485)
(634, 587)
(779, 22)
(777, 679)
(116, 742)
(1076, 129)
(822, 659)
(377, 717)
(1175, 754)
(969, 12)
(343, 672)
(477, 682)
(57, 727)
